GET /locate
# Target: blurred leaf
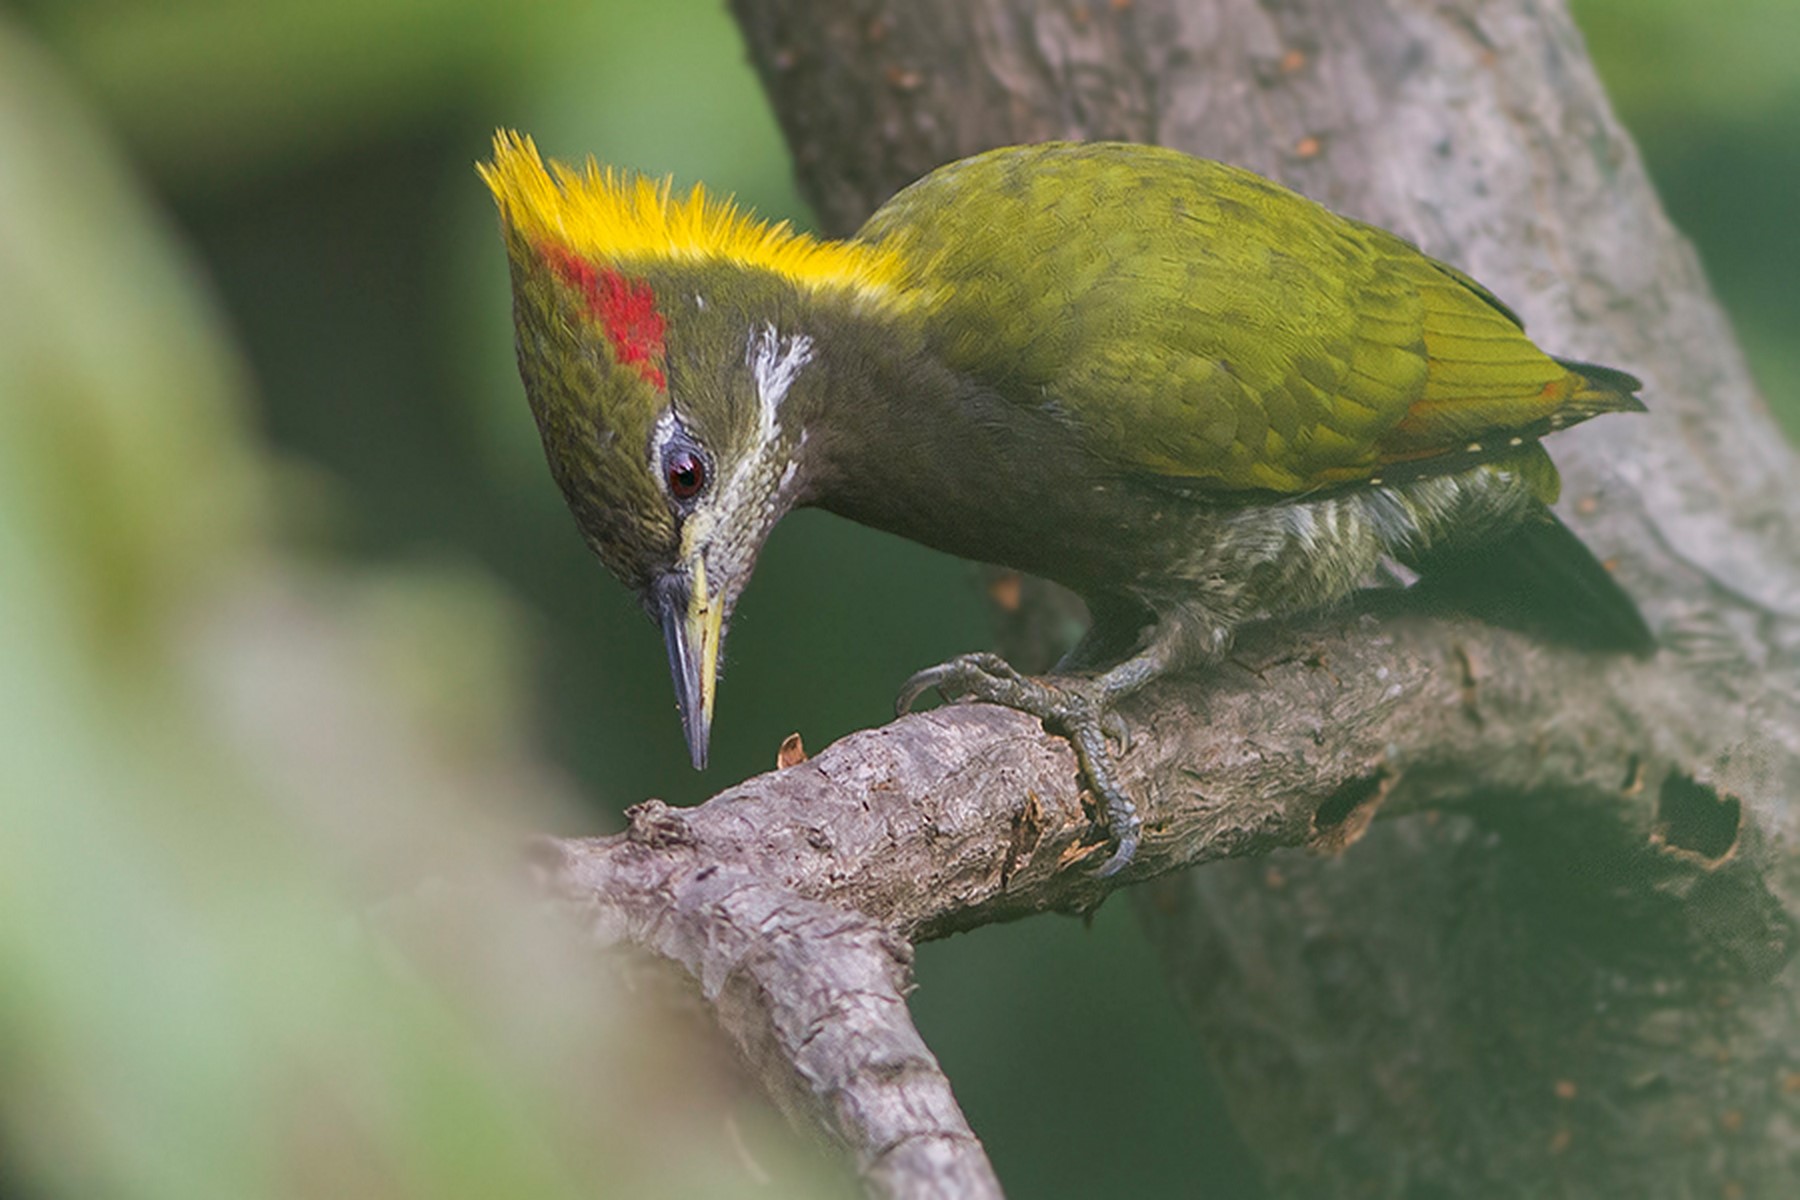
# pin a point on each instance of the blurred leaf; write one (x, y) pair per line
(261, 917)
(111, 364)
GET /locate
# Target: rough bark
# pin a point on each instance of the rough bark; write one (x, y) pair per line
(1567, 967)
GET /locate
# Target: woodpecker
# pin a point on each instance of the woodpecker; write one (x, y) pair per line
(1191, 395)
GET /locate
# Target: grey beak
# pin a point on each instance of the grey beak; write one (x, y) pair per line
(687, 663)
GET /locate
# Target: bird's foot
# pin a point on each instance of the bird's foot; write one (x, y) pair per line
(1075, 708)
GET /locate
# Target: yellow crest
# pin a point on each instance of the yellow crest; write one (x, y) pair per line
(616, 216)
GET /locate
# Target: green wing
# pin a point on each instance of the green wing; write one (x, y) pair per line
(1201, 322)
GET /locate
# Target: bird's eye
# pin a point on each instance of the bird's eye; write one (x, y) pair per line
(685, 473)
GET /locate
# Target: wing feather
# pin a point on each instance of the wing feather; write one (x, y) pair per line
(1199, 322)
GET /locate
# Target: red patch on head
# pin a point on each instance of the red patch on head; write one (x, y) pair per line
(625, 308)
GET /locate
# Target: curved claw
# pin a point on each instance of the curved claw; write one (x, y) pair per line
(964, 673)
(1126, 829)
(917, 685)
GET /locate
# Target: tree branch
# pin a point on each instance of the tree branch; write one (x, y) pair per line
(972, 814)
(792, 896)
(1646, 803)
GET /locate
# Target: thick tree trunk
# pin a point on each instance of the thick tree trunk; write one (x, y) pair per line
(1522, 995)
(1565, 967)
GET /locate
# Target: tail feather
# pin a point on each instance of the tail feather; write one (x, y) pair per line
(1540, 577)
(1602, 389)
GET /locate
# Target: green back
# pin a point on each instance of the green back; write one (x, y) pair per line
(1198, 321)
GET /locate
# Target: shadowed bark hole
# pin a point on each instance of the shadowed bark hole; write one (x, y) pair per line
(1346, 813)
(1693, 817)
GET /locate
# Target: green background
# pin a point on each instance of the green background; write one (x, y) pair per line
(303, 176)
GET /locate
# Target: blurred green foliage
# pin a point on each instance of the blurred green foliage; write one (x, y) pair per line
(261, 925)
(292, 617)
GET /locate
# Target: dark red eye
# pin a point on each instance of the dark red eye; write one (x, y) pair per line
(685, 472)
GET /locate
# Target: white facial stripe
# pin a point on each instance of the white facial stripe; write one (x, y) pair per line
(660, 433)
(775, 363)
